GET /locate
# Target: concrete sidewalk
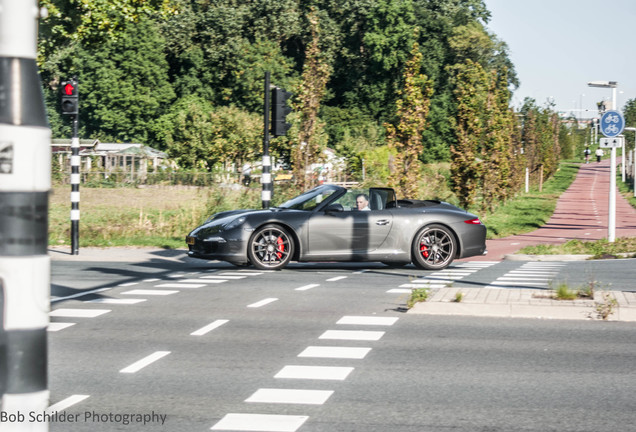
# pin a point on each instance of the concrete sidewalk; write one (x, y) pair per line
(525, 303)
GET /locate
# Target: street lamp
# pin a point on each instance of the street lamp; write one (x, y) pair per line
(611, 222)
(606, 84)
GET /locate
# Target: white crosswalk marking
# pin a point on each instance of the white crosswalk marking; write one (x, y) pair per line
(78, 313)
(260, 422)
(335, 352)
(335, 373)
(57, 326)
(116, 301)
(141, 292)
(290, 396)
(362, 335)
(179, 285)
(367, 320)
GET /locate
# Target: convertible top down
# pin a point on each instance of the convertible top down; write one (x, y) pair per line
(327, 223)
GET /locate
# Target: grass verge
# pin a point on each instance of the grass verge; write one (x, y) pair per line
(527, 212)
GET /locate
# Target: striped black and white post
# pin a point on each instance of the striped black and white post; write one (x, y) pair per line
(75, 185)
(266, 177)
(25, 182)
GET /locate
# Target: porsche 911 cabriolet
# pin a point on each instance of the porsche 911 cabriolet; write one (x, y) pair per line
(333, 223)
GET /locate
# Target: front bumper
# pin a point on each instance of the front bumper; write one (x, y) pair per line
(217, 248)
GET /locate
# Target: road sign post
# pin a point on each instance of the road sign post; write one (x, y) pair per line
(612, 125)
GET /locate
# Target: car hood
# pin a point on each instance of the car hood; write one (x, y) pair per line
(217, 222)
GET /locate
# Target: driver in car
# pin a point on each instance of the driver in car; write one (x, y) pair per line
(362, 202)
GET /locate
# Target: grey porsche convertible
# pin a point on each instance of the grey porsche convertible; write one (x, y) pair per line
(333, 223)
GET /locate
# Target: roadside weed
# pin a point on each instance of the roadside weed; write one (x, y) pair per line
(417, 295)
(606, 307)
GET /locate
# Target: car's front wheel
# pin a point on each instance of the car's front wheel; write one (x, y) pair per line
(434, 247)
(271, 248)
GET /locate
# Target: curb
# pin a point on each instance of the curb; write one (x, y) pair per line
(524, 257)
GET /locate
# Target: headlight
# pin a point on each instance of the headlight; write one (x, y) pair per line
(234, 223)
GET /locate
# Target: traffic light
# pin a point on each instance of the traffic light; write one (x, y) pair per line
(70, 97)
(280, 110)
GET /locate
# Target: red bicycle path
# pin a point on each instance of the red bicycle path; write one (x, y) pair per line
(581, 213)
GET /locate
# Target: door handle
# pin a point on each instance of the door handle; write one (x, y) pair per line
(383, 222)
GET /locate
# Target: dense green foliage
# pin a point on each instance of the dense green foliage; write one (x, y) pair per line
(186, 77)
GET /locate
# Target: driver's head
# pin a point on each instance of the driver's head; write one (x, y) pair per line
(362, 201)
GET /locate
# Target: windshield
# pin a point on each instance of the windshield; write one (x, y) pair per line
(309, 200)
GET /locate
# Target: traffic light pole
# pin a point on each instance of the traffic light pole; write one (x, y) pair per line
(25, 182)
(75, 184)
(266, 178)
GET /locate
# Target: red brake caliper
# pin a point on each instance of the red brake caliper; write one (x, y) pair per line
(281, 247)
(424, 250)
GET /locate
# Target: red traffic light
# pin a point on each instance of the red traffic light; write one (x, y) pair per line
(70, 98)
(69, 89)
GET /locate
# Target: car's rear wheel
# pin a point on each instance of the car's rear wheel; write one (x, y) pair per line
(270, 248)
(434, 247)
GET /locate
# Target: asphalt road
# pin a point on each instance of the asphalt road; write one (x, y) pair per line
(322, 348)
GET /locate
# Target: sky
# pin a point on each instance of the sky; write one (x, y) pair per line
(558, 46)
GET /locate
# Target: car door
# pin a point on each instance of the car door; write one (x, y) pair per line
(347, 234)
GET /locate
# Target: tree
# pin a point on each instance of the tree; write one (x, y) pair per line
(124, 85)
(199, 136)
(466, 169)
(310, 93)
(405, 138)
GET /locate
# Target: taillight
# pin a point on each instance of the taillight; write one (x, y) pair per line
(475, 221)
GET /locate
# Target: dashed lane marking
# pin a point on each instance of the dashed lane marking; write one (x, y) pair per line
(148, 360)
(307, 287)
(262, 303)
(208, 328)
(337, 278)
(66, 403)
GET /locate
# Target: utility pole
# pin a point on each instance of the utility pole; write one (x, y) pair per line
(25, 182)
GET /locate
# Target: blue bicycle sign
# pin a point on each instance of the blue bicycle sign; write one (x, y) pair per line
(612, 123)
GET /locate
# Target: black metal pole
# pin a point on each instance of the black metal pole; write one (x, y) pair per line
(75, 184)
(266, 178)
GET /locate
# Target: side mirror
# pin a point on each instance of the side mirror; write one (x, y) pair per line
(334, 208)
